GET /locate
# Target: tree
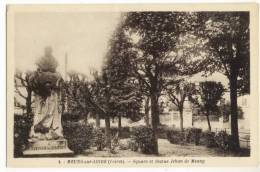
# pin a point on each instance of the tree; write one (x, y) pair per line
(125, 89)
(22, 80)
(153, 36)
(228, 39)
(97, 96)
(75, 95)
(101, 96)
(146, 111)
(188, 46)
(207, 97)
(178, 92)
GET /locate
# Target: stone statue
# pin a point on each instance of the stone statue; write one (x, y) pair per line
(47, 118)
(46, 135)
(45, 83)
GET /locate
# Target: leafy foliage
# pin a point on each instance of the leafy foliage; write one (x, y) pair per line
(208, 95)
(208, 138)
(125, 90)
(176, 136)
(79, 135)
(179, 91)
(22, 125)
(156, 45)
(151, 38)
(223, 140)
(193, 135)
(189, 135)
(142, 136)
(100, 140)
(76, 95)
(227, 36)
(228, 39)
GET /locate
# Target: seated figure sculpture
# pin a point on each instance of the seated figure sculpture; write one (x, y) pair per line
(45, 84)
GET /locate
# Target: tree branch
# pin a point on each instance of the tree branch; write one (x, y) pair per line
(19, 76)
(174, 99)
(18, 91)
(95, 104)
(142, 79)
(221, 58)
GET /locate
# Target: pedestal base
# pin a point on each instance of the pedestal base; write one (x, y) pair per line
(47, 147)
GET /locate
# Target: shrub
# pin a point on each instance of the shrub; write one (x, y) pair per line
(133, 145)
(176, 136)
(80, 136)
(223, 140)
(114, 143)
(162, 131)
(22, 126)
(99, 139)
(208, 139)
(124, 144)
(193, 135)
(142, 136)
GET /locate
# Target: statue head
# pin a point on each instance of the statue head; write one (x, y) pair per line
(48, 51)
(47, 63)
(48, 88)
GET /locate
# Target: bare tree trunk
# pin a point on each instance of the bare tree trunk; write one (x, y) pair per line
(207, 115)
(155, 119)
(181, 119)
(192, 121)
(97, 120)
(146, 110)
(107, 131)
(234, 115)
(119, 124)
(29, 103)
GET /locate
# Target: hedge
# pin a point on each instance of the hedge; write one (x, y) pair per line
(176, 136)
(22, 126)
(142, 139)
(80, 136)
(193, 135)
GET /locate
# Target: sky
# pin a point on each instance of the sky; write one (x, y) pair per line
(83, 36)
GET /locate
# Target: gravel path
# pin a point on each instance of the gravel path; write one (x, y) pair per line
(166, 149)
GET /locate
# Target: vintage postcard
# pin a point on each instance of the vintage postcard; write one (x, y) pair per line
(132, 85)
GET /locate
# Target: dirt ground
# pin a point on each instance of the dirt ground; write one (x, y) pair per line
(166, 149)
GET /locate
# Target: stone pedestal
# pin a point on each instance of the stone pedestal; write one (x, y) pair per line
(187, 114)
(187, 118)
(47, 147)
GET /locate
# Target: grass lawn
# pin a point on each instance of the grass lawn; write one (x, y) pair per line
(167, 149)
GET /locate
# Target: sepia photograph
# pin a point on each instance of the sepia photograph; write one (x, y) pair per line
(132, 85)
